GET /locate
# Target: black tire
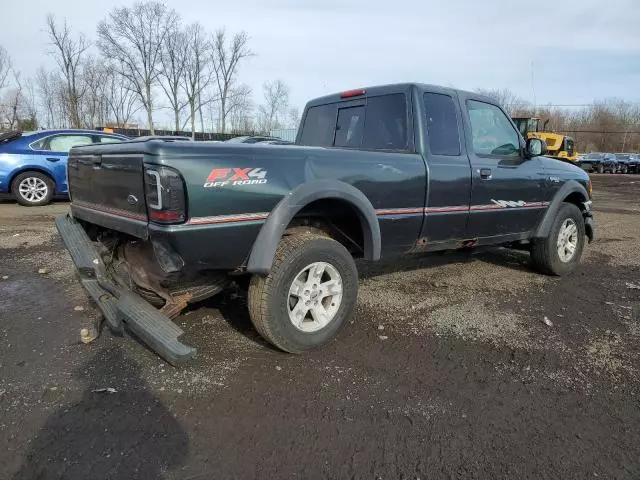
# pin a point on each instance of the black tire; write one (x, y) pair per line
(38, 178)
(544, 251)
(269, 298)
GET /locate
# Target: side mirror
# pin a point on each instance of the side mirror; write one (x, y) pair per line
(535, 147)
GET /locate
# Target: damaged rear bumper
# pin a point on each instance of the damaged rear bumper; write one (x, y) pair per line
(122, 308)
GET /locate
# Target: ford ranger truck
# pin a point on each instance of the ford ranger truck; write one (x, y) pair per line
(375, 172)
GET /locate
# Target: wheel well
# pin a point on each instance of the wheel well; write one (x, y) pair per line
(337, 218)
(576, 198)
(44, 172)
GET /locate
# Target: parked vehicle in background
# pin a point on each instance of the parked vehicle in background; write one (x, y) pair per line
(252, 139)
(627, 162)
(33, 164)
(634, 163)
(622, 160)
(592, 162)
(375, 172)
(169, 138)
(277, 142)
(610, 163)
(599, 162)
(559, 146)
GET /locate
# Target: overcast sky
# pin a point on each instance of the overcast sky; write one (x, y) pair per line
(580, 50)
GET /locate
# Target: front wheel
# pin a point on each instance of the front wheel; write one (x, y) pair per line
(560, 252)
(309, 293)
(32, 189)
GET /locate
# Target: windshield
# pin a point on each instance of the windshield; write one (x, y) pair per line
(622, 156)
(595, 155)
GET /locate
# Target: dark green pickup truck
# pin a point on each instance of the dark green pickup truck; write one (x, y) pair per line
(375, 172)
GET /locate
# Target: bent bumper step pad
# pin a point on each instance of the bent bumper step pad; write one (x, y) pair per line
(121, 308)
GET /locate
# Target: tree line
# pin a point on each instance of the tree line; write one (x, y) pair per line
(611, 125)
(144, 61)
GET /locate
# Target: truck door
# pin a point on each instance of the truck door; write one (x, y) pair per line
(449, 171)
(507, 190)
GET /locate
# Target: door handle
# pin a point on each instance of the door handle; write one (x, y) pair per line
(53, 159)
(485, 173)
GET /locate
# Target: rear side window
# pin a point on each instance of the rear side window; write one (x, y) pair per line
(64, 143)
(381, 124)
(319, 126)
(109, 139)
(349, 127)
(386, 123)
(442, 124)
(61, 143)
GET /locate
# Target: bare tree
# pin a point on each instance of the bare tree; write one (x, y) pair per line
(226, 58)
(276, 101)
(69, 53)
(121, 102)
(509, 100)
(241, 114)
(173, 61)
(94, 107)
(196, 75)
(5, 67)
(294, 117)
(18, 105)
(133, 37)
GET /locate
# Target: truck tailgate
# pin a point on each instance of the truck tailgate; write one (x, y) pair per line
(108, 190)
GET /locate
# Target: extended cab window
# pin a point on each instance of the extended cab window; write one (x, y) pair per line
(319, 126)
(349, 127)
(380, 124)
(386, 123)
(491, 130)
(442, 124)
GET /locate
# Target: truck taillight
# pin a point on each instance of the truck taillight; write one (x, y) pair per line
(164, 189)
(589, 188)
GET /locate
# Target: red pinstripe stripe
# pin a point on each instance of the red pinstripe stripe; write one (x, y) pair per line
(382, 212)
(398, 211)
(109, 210)
(461, 208)
(244, 217)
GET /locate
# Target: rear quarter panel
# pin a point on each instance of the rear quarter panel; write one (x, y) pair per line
(389, 180)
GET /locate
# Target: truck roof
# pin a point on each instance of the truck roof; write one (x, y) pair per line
(391, 88)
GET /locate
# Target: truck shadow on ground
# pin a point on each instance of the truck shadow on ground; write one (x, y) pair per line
(127, 434)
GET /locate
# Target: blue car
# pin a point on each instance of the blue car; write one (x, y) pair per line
(33, 165)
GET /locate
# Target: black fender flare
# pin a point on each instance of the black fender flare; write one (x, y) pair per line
(266, 243)
(571, 186)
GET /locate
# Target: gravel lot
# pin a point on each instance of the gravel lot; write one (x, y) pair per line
(447, 371)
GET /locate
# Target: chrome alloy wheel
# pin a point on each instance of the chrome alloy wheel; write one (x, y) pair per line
(567, 240)
(33, 189)
(314, 297)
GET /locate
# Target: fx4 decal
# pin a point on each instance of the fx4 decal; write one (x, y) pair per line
(221, 177)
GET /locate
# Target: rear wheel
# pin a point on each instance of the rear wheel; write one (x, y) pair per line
(560, 251)
(309, 293)
(32, 189)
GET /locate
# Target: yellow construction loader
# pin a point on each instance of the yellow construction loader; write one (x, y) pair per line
(558, 145)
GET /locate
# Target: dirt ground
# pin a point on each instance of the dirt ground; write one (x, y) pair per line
(448, 370)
